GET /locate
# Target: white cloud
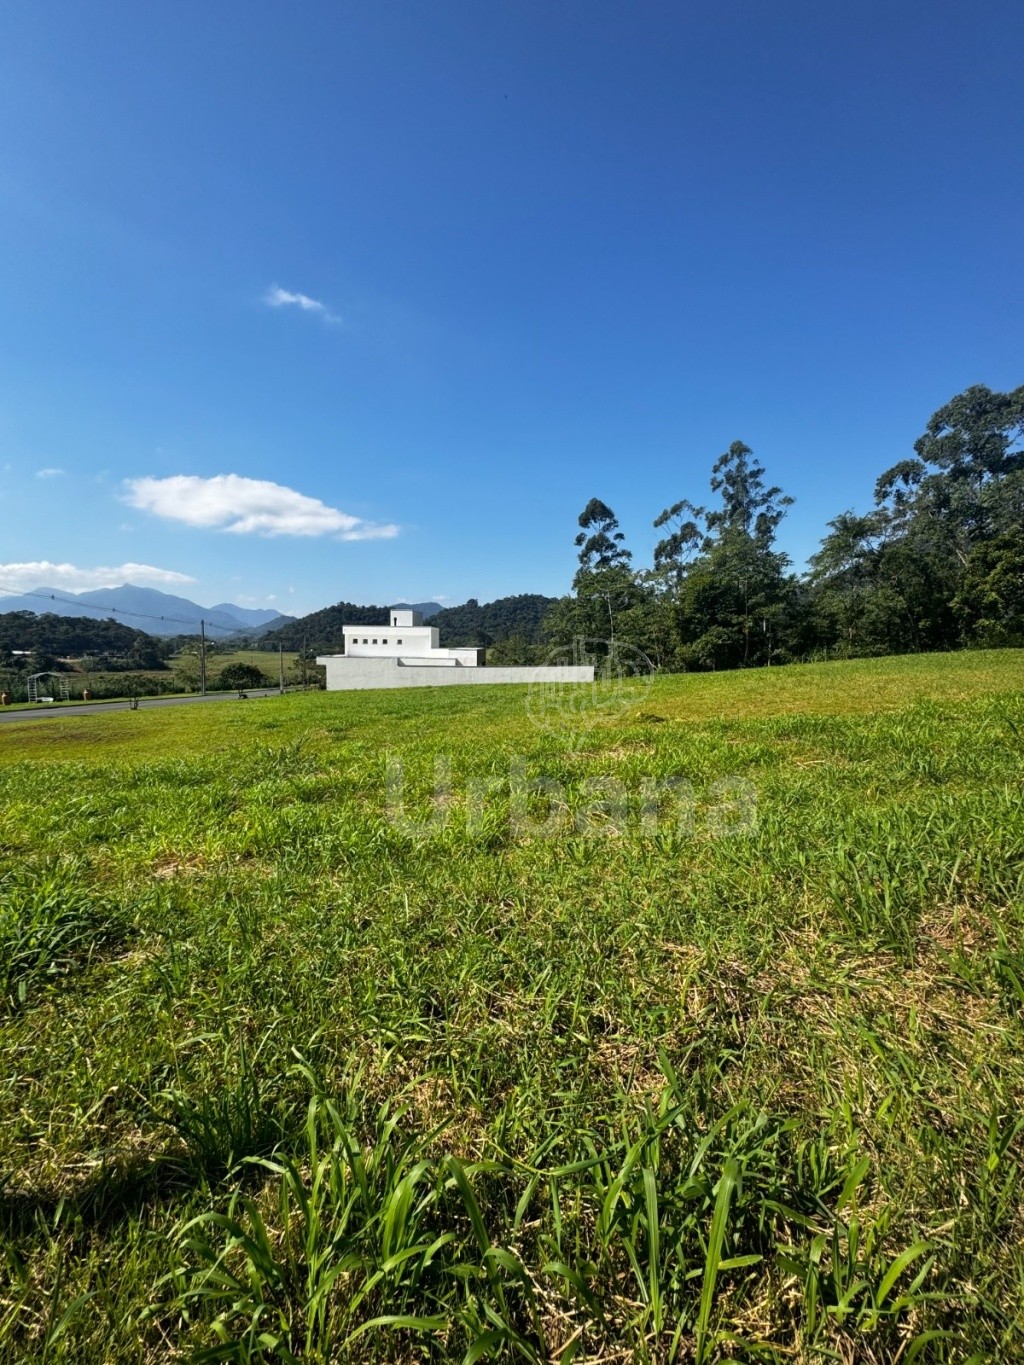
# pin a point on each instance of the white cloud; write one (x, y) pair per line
(276, 297)
(229, 502)
(49, 473)
(43, 573)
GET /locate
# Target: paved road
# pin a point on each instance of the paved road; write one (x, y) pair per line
(93, 707)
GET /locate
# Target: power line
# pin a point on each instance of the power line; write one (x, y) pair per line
(117, 611)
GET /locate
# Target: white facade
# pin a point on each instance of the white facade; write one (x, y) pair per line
(355, 675)
(406, 653)
(406, 637)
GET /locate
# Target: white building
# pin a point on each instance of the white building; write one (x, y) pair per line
(406, 638)
(406, 653)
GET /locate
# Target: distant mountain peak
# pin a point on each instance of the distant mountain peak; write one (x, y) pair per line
(426, 609)
(148, 609)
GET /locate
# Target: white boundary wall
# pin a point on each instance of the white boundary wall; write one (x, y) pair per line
(346, 674)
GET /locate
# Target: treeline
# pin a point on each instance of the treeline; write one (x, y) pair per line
(472, 623)
(320, 631)
(937, 563)
(108, 644)
(490, 623)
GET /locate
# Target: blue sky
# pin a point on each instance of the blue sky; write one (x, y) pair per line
(439, 273)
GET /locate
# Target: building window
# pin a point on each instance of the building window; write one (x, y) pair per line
(394, 620)
(375, 642)
(365, 641)
(398, 642)
(383, 642)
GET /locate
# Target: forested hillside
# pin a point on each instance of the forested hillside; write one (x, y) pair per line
(320, 632)
(469, 624)
(74, 636)
(487, 624)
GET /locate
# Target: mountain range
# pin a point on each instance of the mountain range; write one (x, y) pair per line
(162, 613)
(148, 609)
(426, 609)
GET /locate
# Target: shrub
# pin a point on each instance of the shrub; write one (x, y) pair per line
(242, 676)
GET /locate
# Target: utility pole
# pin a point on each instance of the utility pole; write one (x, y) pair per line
(280, 669)
(202, 658)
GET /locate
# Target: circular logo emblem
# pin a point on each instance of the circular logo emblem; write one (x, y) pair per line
(622, 679)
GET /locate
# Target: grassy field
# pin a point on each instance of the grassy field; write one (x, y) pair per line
(266, 660)
(154, 682)
(298, 1065)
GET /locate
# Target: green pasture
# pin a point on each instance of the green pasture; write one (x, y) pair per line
(687, 1027)
(106, 686)
(266, 660)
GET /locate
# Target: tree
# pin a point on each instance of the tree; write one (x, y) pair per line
(682, 540)
(605, 585)
(748, 508)
(605, 590)
(976, 436)
(853, 611)
(476, 623)
(990, 600)
(241, 675)
(967, 461)
(517, 650)
(145, 653)
(733, 601)
(935, 565)
(600, 541)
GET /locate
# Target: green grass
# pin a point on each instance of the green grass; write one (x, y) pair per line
(109, 686)
(266, 660)
(283, 1079)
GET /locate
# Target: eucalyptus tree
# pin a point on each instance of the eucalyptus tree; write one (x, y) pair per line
(936, 564)
(600, 543)
(684, 536)
(731, 595)
(748, 508)
(605, 590)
